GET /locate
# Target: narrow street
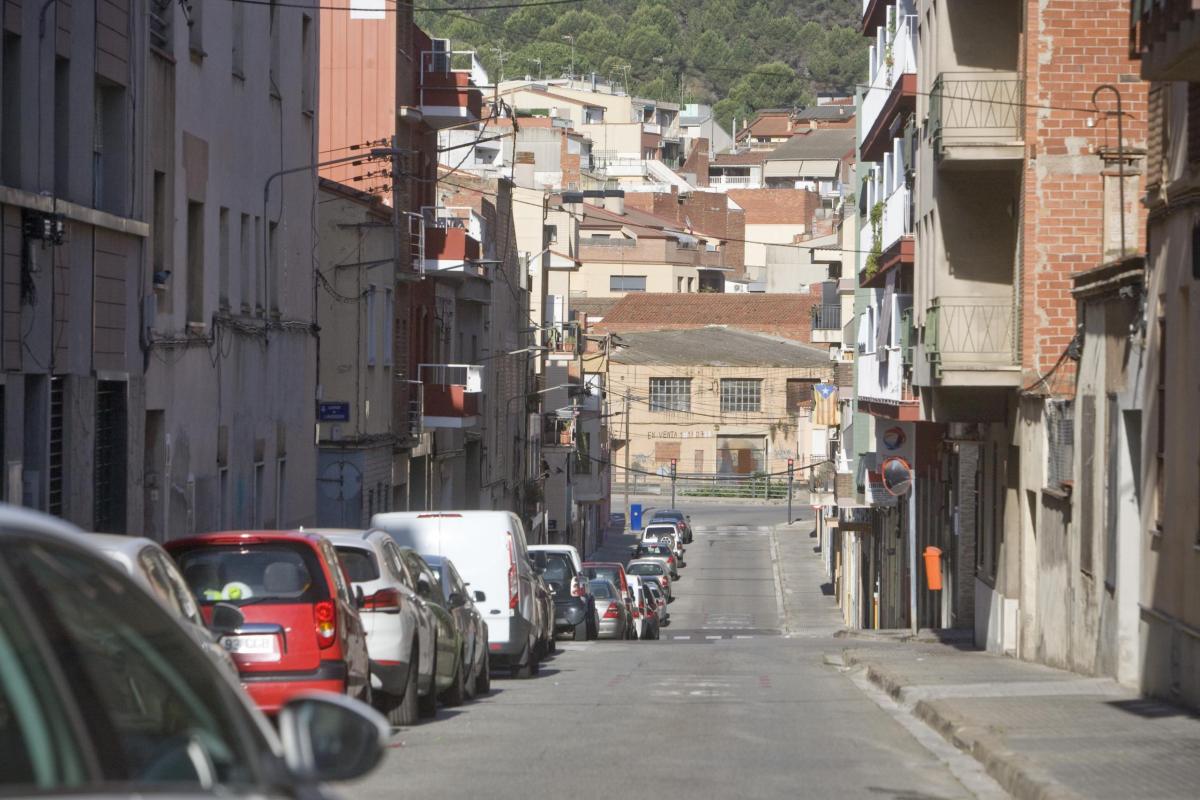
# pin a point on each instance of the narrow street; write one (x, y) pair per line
(725, 705)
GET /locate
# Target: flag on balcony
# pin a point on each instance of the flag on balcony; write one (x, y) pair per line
(825, 405)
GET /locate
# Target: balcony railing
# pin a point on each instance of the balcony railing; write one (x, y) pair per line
(562, 338)
(897, 217)
(892, 56)
(451, 394)
(558, 431)
(454, 218)
(970, 332)
(977, 109)
(745, 181)
(826, 317)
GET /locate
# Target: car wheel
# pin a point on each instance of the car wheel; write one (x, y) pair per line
(593, 625)
(456, 694)
(483, 683)
(581, 631)
(402, 711)
(531, 665)
(552, 644)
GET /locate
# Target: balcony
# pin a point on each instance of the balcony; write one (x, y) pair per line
(826, 324)
(977, 117)
(892, 88)
(558, 431)
(451, 395)
(895, 245)
(562, 341)
(450, 87)
(971, 341)
(1165, 35)
(734, 181)
(874, 14)
(453, 240)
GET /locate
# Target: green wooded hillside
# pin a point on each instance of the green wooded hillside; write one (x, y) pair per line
(740, 55)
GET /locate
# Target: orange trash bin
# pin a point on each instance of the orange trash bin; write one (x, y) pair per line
(933, 568)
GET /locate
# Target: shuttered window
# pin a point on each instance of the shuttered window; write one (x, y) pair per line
(1156, 143)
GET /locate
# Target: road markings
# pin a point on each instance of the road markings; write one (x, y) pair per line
(743, 637)
(681, 637)
(780, 608)
(714, 637)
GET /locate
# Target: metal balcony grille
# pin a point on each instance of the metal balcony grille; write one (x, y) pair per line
(826, 317)
(970, 331)
(109, 457)
(976, 105)
(1060, 442)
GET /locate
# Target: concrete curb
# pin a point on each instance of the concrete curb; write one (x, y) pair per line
(1018, 777)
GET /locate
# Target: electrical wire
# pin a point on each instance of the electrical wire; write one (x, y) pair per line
(756, 475)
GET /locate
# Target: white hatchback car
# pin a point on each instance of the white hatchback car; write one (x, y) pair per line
(400, 629)
(154, 570)
(663, 533)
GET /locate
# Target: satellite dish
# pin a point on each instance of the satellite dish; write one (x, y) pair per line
(897, 475)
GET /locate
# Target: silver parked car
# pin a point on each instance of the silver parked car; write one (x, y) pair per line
(115, 699)
(613, 610)
(154, 570)
(400, 629)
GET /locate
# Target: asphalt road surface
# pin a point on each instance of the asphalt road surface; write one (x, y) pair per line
(724, 705)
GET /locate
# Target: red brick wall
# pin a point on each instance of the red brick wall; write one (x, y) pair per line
(697, 163)
(777, 206)
(795, 331)
(1072, 47)
(708, 212)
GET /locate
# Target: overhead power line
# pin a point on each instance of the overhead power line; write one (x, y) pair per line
(392, 6)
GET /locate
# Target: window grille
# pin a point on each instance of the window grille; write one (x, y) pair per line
(670, 394)
(741, 394)
(1060, 441)
(109, 457)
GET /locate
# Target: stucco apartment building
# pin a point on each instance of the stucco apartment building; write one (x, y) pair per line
(75, 263)
(719, 402)
(1166, 37)
(993, 178)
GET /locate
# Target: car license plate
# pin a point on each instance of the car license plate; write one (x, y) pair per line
(251, 645)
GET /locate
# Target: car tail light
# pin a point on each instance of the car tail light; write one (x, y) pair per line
(612, 612)
(325, 620)
(641, 607)
(387, 600)
(513, 596)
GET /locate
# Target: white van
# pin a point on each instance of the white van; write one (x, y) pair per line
(489, 550)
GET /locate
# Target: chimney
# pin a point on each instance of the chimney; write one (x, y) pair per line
(615, 204)
(523, 170)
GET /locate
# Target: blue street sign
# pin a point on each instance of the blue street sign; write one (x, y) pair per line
(333, 412)
(635, 516)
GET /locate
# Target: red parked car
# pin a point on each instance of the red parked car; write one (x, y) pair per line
(302, 630)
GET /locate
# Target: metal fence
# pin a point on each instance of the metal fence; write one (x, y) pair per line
(970, 330)
(977, 105)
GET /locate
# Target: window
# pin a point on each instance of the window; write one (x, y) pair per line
(195, 263)
(110, 173)
(260, 474)
(223, 255)
(280, 491)
(159, 230)
(1160, 461)
(372, 325)
(1060, 442)
(800, 395)
(239, 40)
(10, 121)
(550, 234)
(273, 254)
(1087, 482)
(62, 127)
(306, 65)
(161, 23)
(223, 500)
(691, 284)
(627, 283)
(389, 315)
(679, 285)
(109, 457)
(670, 394)
(741, 394)
(583, 451)
(273, 71)
(246, 262)
(196, 29)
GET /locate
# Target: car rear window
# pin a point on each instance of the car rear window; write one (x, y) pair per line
(245, 574)
(602, 589)
(644, 569)
(659, 530)
(557, 566)
(604, 573)
(360, 564)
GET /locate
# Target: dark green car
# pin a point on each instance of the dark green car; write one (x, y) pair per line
(450, 673)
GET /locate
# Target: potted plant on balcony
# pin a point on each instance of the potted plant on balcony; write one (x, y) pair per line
(876, 219)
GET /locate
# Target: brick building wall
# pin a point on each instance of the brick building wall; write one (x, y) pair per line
(1071, 48)
(777, 206)
(706, 212)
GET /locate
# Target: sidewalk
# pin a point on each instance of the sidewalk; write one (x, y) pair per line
(805, 596)
(1040, 732)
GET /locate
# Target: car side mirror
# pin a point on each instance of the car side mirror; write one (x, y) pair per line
(226, 618)
(330, 737)
(480, 596)
(360, 597)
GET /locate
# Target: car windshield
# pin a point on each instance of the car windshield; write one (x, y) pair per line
(602, 590)
(676, 515)
(360, 564)
(655, 531)
(244, 574)
(644, 569)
